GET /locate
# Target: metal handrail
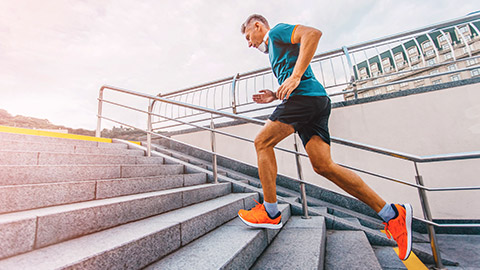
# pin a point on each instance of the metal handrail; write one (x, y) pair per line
(416, 159)
(350, 71)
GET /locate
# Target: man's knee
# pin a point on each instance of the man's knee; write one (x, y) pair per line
(325, 169)
(263, 142)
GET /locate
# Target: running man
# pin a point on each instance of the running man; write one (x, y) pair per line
(305, 109)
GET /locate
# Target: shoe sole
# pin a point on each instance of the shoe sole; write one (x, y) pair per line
(408, 221)
(262, 225)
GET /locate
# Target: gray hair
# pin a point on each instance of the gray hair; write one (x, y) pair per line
(252, 18)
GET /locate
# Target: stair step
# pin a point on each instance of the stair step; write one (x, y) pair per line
(109, 151)
(348, 249)
(18, 175)
(300, 245)
(136, 244)
(388, 259)
(231, 246)
(32, 196)
(44, 139)
(59, 223)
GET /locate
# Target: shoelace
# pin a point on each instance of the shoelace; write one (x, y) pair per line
(389, 233)
(258, 206)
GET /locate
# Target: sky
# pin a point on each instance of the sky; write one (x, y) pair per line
(56, 54)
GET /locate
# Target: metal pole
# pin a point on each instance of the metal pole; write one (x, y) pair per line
(214, 160)
(303, 193)
(352, 71)
(99, 115)
(428, 215)
(233, 97)
(149, 127)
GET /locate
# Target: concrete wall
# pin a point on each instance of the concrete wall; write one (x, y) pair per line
(436, 122)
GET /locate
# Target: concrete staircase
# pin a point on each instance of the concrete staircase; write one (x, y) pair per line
(72, 204)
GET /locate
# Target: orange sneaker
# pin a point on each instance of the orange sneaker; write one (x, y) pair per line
(401, 229)
(258, 217)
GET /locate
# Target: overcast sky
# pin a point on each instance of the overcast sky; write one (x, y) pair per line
(56, 54)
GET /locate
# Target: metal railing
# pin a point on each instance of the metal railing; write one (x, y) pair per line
(428, 219)
(340, 71)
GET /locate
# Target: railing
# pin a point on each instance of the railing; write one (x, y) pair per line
(386, 62)
(428, 219)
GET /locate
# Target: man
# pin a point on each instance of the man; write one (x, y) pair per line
(305, 109)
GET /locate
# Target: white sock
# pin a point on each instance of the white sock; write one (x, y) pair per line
(272, 208)
(387, 213)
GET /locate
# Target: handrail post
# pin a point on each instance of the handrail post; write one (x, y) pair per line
(214, 158)
(149, 127)
(352, 71)
(99, 114)
(303, 193)
(233, 94)
(428, 215)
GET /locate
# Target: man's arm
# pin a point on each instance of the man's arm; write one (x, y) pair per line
(308, 38)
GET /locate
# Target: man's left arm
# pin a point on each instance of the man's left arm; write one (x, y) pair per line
(308, 38)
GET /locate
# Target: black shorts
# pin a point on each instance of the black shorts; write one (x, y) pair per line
(308, 116)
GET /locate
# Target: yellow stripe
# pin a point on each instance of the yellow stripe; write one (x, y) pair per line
(413, 262)
(293, 32)
(27, 131)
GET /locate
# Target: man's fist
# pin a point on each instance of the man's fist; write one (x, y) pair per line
(265, 96)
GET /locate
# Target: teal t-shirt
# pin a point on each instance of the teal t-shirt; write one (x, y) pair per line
(283, 55)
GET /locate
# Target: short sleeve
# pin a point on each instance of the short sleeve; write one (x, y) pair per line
(282, 33)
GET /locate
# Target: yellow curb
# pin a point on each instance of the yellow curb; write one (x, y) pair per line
(52, 134)
(413, 262)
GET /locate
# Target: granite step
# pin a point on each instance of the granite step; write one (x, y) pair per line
(38, 228)
(349, 250)
(136, 244)
(4, 136)
(32, 196)
(300, 245)
(388, 259)
(31, 174)
(231, 246)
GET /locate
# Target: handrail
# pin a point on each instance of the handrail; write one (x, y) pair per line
(350, 48)
(420, 185)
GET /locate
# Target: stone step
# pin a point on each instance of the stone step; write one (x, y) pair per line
(388, 259)
(52, 158)
(349, 250)
(136, 244)
(46, 226)
(300, 245)
(231, 246)
(108, 151)
(21, 175)
(32, 196)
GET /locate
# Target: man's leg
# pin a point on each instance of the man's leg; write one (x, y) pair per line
(266, 215)
(271, 134)
(319, 154)
(398, 218)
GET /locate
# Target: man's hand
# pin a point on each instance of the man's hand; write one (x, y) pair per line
(287, 87)
(266, 96)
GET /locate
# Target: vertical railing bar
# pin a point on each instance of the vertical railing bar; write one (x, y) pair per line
(323, 76)
(344, 69)
(428, 215)
(393, 57)
(99, 113)
(333, 71)
(149, 128)
(437, 54)
(213, 143)
(449, 45)
(420, 51)
(406, 55)
(368, 64)
(303, 193)
(465, 40)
